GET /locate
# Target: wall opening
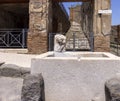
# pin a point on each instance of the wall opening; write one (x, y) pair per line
(78, 28)
(14, 23)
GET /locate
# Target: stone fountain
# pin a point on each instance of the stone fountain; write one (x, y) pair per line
(75, 76)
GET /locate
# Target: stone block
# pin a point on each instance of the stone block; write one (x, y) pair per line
(79, 77)
(112, 89)
(10, 70)
(33, 88)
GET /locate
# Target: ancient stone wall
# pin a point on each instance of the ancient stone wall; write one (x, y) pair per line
(45, 17)
(115, 34)
(87, 22)
(97, 26)
(37, 36)
(101, 26)
(81, 42)
(87, 18)
(75, 13)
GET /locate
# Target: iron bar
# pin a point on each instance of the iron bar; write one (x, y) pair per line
(13, 38)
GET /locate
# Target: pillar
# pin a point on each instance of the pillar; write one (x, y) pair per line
(101, 26)
(37, 36)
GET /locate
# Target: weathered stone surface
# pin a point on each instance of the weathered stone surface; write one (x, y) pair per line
(102, 43)
(87, 10)
(43, 21)
(37, 37)
(9, 70)
(98, 25)
(75, 33)
(37, 42)
(115, 34)
(59, 43)
(106, 25)
(10, 89)
(79, 78)
(112, 89)
(33, 88)
(102, 26)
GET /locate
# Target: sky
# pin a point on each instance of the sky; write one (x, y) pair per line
(115, 6)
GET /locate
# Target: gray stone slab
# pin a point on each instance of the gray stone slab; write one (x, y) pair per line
(10, 89)
(70, 79)
(112, 89)
(33, 88)
(10, 70)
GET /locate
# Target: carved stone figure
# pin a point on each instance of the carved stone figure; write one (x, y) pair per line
(59, 43)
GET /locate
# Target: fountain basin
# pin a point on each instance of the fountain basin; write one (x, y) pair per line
(75, 76)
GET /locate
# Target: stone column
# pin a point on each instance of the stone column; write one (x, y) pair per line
(101, 26)
(37, 36)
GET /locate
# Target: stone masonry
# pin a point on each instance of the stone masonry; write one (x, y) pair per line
(115, 35)
(97, 25)
(37, 36)
(81, 42)
(45, 17)
(101, 26)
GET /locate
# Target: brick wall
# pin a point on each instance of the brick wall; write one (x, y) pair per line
(37, 35)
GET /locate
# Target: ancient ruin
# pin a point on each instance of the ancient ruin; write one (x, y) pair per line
(57, 75)
(76, 39)
(38, 19)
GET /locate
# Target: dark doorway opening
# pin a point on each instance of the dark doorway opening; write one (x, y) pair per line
(14, 24)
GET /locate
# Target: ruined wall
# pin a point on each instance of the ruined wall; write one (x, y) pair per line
(45, 17)
(97, 26)
(81, 42)
(115, 34)
(102, 26)
(75, 13)
(37, 36)
(87, 18)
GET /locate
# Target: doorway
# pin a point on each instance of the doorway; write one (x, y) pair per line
(14, 24)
